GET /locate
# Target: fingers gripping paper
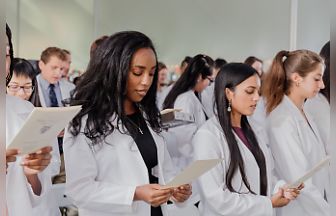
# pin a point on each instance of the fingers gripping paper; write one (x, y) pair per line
(192, 172)
(41, 127)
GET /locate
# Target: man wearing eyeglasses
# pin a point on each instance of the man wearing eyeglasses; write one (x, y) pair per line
(21, 83)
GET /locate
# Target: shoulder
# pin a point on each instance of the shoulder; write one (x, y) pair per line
(18, 105)
(67, 84)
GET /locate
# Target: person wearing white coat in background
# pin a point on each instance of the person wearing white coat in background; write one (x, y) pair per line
(18, 86)
(207, 96)
(115, 158)
(26, 176)
(185, 95)
(319, 106)
(242, 184)
(52, 64)
(295, 141)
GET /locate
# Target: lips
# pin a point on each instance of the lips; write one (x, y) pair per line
(141, 92)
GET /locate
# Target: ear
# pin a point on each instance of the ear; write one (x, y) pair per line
(228, 93)
(41, 65)
(296, 78)
(199, 78)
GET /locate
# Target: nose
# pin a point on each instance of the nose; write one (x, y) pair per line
(256, 96)
(146, 79)
(20, 92)
(322, 86)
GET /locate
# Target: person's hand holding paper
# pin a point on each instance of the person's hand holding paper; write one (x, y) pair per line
(41, 127)
(36, 162)
(182, 193)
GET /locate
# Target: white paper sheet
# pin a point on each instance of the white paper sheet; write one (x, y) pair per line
(42, 127)
(310, 173)
(192, 172)
(165, 111)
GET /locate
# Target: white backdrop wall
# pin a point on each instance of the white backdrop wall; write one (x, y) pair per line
(231, 29)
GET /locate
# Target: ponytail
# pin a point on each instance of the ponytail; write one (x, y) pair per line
(275, 84)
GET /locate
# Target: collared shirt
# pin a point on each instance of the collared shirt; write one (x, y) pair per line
(45, 91)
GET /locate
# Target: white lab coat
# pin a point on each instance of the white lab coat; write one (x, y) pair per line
(319, 109)
(208, 99)
(20, 196)
(65, 86)
(297, 147)
(190, 104)
(216, 199)
(161, 96)
(49, 205)
(101, 180)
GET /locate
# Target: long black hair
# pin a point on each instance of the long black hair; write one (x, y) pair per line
(229, 76)
(199, 64)
(102, 88)
(11, 53)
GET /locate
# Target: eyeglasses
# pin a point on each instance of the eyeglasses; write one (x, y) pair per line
(16, 88)
(211, 80)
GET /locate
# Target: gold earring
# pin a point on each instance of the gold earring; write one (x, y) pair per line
(298, 84)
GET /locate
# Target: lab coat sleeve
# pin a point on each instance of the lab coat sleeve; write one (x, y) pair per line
(214, 193)
(184, 133)
(45, 180)
(291, 163)
(81, 184)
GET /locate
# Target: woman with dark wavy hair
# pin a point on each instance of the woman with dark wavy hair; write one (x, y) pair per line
(242, 183)
(116, 160)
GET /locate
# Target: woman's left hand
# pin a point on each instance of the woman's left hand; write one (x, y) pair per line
(182, 193)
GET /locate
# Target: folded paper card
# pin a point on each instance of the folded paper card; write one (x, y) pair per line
(175, 117)
(42, 127)
(310, 173)
(192, 172)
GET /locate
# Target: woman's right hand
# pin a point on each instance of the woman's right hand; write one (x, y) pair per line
(279, 200)
(153, 194)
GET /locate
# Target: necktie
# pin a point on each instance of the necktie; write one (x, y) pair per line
(52, 96)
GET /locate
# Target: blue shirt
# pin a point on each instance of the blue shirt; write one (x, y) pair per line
(45, 91)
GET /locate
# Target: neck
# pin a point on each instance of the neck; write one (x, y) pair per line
(235, 119)
(129, 107)
(297, 99)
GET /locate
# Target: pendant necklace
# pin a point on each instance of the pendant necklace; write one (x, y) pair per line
(137, 126)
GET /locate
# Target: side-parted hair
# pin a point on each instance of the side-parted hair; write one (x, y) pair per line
(325, 54)
(277, 82)
(229, 76)
(199, 65)
(102, 89)
(52, 51)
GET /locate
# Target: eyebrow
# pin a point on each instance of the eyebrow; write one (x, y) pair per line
(143, 67)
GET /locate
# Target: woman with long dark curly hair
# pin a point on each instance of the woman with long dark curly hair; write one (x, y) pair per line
(115, 158)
